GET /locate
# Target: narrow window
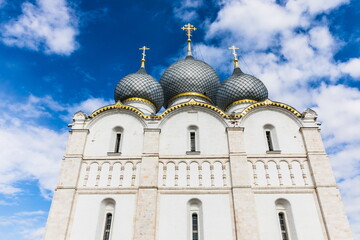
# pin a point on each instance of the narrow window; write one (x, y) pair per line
(117, 142)
(283, 227)
(269, 140)
(286, 220)
(195, 227)
(192, 142)
(107, 226)
(195, 220)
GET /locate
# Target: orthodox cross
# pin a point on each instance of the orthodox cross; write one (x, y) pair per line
(236, 61)
(144, 48)
(188, 28)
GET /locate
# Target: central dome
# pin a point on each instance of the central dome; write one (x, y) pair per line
(189, 75)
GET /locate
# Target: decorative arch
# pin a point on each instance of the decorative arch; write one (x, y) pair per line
(193, 102)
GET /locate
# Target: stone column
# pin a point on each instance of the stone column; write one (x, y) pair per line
(63, 199)
(331, 206)
(243, 196)
(145, 221)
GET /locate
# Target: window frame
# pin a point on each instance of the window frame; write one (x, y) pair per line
(271, 140)
(283, 207)
(195, 208)
(107, 207)
(116, 142)
(118, 137)
(106, 228)
(193, 143)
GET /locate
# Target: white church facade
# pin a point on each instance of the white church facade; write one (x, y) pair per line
(221, 162)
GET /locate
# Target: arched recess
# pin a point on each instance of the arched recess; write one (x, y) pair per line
(114, 132)
(285, 219)
(195, 219)
(275, 123)
(106, 219)
(205, 125)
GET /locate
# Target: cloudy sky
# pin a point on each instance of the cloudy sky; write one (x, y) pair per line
(61, 56)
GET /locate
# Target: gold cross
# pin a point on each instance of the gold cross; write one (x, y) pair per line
(234, 50)
(188, 27)
(235, 55)
(144, 48)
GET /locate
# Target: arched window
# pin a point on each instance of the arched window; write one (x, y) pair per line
(271, 139)
(107, 226)
(195, 217)
(195, 226)
(106, 219)
(193, 140)
(116, 141)
(285, 220)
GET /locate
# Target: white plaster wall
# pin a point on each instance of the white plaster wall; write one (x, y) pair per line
(87, 211)
(173, 217)
(287, 130)
(101, 136)
(174, 137)
(304, 211)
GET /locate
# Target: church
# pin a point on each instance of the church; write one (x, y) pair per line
(194, 158)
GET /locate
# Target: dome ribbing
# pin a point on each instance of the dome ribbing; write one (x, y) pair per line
(240, 86)
(140, 85)
(190, 75)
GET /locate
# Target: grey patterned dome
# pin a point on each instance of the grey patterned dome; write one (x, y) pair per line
(240, 86)
(140, 85)
(190, 75)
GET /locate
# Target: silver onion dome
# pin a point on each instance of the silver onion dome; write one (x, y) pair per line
(140, 85)
(240, 86)
(190, 75)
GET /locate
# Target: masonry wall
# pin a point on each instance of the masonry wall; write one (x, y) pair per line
(232, 174)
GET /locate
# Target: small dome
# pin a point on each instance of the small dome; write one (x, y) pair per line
(140, 85)
(240, 86)
(190, 75)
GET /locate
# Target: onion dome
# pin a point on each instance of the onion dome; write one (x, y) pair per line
(190, 76)
(140, 85)
(240, 86)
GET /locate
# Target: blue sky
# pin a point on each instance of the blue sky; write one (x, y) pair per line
(61, 56)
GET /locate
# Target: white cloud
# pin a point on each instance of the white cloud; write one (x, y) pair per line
(351, 195)
(34, 234)
(87, 106)
(30, 150)
(186, 10)
(32, 213)
(24, 225)
(338, 109)
(319, 6)
(49, 26)
(253, 22)
(351, 67)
